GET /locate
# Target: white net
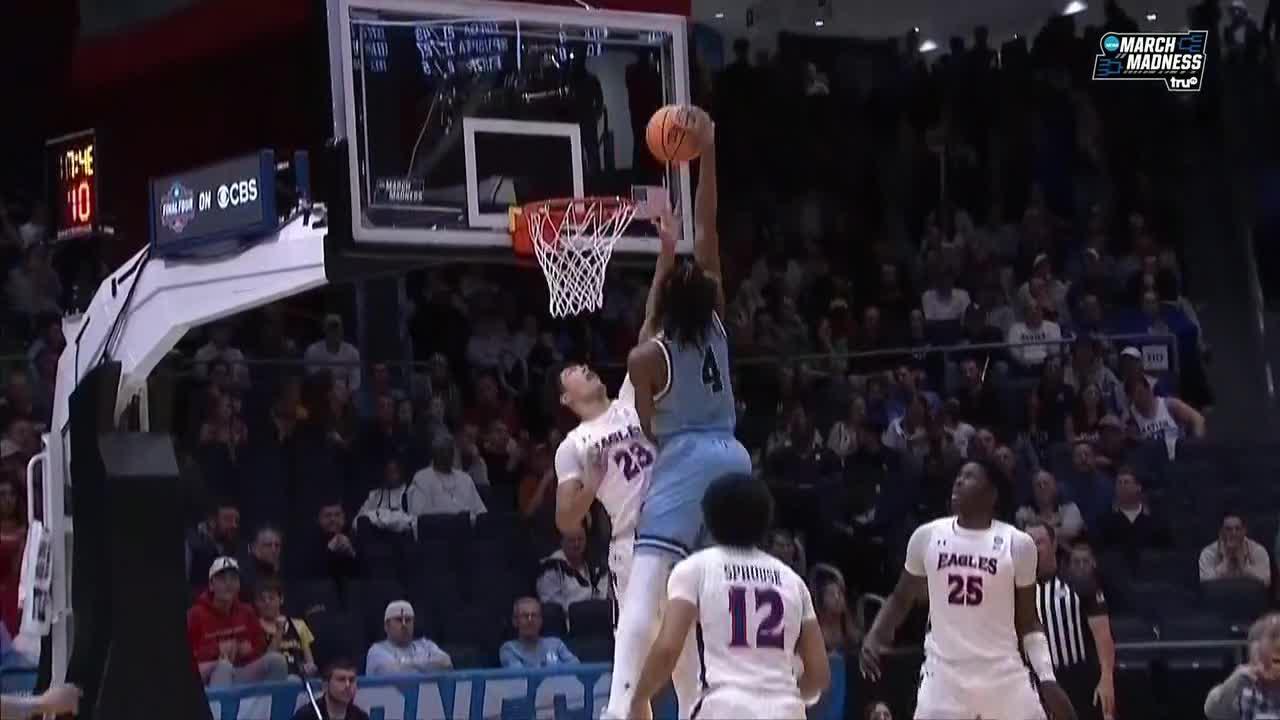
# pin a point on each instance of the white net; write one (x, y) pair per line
(573, 241)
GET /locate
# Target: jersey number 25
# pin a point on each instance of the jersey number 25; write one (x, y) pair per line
(769, 633)
(965, 589)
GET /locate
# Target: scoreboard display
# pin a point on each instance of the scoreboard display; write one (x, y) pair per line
(72, 172)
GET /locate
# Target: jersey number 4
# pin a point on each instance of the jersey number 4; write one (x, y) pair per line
(711, 376)
(769, 634)
(965, 589)
(633, 460)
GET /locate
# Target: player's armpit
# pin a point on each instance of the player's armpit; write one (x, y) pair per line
(647, 366)
(812, 649)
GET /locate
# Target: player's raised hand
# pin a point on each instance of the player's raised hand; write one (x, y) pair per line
(869, 657)
(1056, 703)
(1104, 696)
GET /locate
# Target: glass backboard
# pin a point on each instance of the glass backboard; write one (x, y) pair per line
(456, 110)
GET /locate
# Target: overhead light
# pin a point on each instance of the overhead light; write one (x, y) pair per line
(915, 29)
(1015, 36)
(1153, 16)
(928, 46)
(719, 16)
(1075, 7)
(819, 23)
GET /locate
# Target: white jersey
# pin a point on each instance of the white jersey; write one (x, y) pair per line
(1160, 425)
(971, 576)
(615, 444)
(750, 608)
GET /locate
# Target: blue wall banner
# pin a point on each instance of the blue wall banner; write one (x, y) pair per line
(577, 692)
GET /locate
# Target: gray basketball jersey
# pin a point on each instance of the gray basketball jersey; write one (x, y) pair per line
(698, 396)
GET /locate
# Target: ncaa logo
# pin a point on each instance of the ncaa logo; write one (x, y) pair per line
(1110, 43)
(177, 207)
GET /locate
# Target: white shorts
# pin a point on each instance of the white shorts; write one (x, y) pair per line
(621, 550)
(730, 704)
(948, 692)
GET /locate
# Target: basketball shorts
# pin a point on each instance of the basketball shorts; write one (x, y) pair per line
(950, 692)
(671, 518)
(620, 551)
(734, 704)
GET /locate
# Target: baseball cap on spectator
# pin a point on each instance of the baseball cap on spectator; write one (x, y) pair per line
(1041, 258)
(223, 564)
(1132, 352)
(1093, 252)
(397, 609)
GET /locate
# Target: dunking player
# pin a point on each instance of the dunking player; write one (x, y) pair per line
(685, 402)
(769, 618)
(979, 578)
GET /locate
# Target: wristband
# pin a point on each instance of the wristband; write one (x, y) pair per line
(1036, 646)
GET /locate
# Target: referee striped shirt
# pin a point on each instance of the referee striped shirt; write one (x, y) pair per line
(1064, 609)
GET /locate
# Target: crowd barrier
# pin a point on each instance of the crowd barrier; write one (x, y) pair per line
(578, 692)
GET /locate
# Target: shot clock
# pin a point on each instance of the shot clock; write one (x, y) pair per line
(72, 171)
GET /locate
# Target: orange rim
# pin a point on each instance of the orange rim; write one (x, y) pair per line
(555, 210)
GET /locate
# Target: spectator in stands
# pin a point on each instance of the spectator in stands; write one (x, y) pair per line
(1027, 359)
(876, 710)
(489, 342)
(13, 541)
(1092, 491)
(387, 507)
(469, 457)
(843, 438)
(49, 337)
(798, 456)
(1252, 691)
(379, 385)
(19, 401)
(331, 553)
(34, 286)
(959, 432)
(401, 653)
(263, 562)
(1085, 420)
(338, 700)
(217, 536)
(334, 354)
(784, 545)
(441, 384)
(491, 406)
(223, 429)
(1234, 554)
(225, 635)
(1086, 368)
(1049, 508)
(530, 650)
(568, 576)
(219, 348)
(1043, 289)
(908, 433)
(1056, 401)
(1154, 417)
(443, 489)
(841, 629)
(979, 400)
(285, 635)
(386, 435)
(944, 302)
(1131, 526)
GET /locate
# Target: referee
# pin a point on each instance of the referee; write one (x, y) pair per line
(1078, 626)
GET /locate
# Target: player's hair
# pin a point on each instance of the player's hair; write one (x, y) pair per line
(340, 663)
(687, 303)
(1004, 505)
(738, 510)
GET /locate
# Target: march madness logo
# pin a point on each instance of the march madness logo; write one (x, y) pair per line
(178, 207)
(1176, 58)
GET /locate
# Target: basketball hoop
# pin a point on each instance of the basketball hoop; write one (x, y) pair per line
(573, 239)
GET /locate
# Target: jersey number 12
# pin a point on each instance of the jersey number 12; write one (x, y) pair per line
(769, 634)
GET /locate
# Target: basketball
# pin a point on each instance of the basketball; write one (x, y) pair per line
(673, 134)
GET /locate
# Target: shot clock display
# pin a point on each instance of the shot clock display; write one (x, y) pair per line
(72, 171)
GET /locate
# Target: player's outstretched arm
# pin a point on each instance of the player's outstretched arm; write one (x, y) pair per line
(647, 366)
(706, 233)
(668, 236)
(812, 649)
(909, 591)
(677, 621)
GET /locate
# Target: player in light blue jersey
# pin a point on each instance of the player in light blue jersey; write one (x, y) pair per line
(684, 399)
